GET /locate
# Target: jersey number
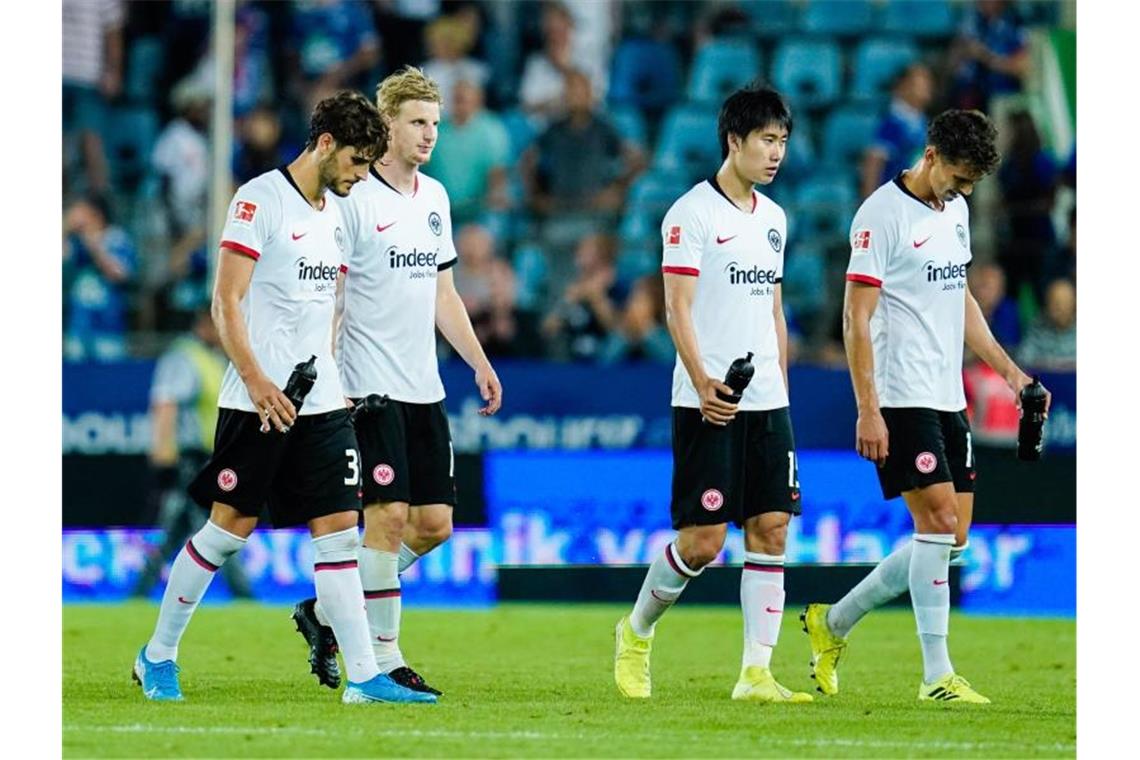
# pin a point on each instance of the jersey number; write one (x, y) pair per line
(793, 475)
(353, 478)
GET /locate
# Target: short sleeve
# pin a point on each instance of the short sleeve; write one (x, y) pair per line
(683, 235)
(447, 254)
(872, 240)
(175, 380)
(253, 215)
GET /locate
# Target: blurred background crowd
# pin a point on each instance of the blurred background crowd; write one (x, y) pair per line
(568, 129)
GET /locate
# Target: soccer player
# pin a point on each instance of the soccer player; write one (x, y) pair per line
(907, 309)
(281, 249)
(398, 287)
(722, 263)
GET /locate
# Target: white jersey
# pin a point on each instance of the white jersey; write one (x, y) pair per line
(738, 259)
(289, 306)
(919, 257)
(397, 246)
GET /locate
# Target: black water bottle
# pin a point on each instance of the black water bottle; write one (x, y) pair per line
(738, 377)
(1031, 428)
(370, 404)
(301, 382)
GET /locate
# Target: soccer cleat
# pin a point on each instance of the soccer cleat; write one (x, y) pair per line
(405, 676)
(322, 644)
(381, 688)
(631, 661)
(826, 648)
(757, 684)
(159, 680)
(950, 688)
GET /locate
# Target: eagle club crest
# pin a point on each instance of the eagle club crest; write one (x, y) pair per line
(775, 240)
(435, 223)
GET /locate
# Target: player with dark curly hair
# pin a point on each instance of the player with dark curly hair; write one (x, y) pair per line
(907, 311)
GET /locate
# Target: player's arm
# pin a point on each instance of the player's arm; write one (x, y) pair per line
(235, 270)
(680, 290)
(163, 441)
(982, 342)
(452, 320)
(781, 332)
(859, 302)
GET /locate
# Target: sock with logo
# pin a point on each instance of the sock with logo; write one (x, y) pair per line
(667, 577)
(337, 577)
(378, 572)
(407, 558)
(762, 602)
(887, 580)
(190, 576)
(930, 595)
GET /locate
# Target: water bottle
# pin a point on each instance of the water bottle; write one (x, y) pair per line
(738, 377)
(1031, 428)
(301, 382)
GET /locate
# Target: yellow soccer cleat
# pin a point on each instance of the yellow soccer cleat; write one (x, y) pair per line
(826, 648)
(757, 684)
(950, 688)
(631, 661)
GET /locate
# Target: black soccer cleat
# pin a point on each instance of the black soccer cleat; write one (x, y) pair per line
(405, 676)
(322, 644)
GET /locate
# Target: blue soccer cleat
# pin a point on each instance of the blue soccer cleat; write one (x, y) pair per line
(383, 689)
(159, 680)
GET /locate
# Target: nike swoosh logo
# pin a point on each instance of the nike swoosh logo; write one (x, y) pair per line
(386, 226)
(941, 583)
(919, 245)
(184, 600)
(298, 237)
(386, 640)
(722, 241)
(769, 609)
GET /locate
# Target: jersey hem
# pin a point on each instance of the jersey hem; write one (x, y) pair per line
(239, 248)
(866, 279)
(690, 271)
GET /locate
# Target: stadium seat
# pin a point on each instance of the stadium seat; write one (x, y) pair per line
(823, 206)
(144, 65)
(771, 18)
(808, 72)
(801, 155)
(649, 198)
(646, 73)
(129, 138)
(839, 17)
(877, 61)
(805, 278)
(721, 67)
(520, 130)
(630, 124)
(925, 18)
(688, 142)
(846, 134)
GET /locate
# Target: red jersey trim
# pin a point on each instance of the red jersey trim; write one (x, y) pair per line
(691, 271)
(865, 279)
(344, 268)
(239, 248)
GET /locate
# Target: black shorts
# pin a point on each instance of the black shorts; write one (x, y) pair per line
(926, 447)
(309, 472)
(733, 473)
(406, 453)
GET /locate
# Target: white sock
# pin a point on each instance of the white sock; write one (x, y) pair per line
(666, 579)
(337, 578)
(407, 558)
(762, 602)
(382, 600)
(930, 594)
(190, 576)
(887, 580)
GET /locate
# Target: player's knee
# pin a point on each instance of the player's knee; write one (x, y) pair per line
(701, 549)
(773, 540)
(944, 520)
(433, 532)
(384, 524)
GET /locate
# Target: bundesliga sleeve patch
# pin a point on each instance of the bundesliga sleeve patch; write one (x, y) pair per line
(861, 240)
(674, 237)
(244, 211)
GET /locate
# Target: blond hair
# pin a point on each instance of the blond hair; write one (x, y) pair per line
(409, 83)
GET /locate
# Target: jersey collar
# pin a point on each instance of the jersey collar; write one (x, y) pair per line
(284, 169)
(716, 186)
(898, 180)
(415, 187)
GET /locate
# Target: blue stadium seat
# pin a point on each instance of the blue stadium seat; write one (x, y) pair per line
(877, 61)
(808, 72)
(846, 134)
(805, 278)
(801, 155)
(646, 73)
(688, 142)
(721, 67)
(129, 137)
(925, 18)
(520, 130)
(823, 207)
(630, 124)
(649, 198)
(771, 18)
(840, 17)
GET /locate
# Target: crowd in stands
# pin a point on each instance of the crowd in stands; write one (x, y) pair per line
(568, 129)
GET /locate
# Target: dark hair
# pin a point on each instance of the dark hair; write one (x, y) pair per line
(965, 137)
(351, 119)
(753, 107)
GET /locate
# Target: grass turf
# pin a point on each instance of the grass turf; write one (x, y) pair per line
(537, 681)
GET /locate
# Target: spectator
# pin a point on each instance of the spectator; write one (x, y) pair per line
(449, 42)
(335, 45)
(901, 136)
(990, 56)
(1028, 179)
(403, 23)
(580, 163)
(486, 283)
(987, 283)
(647, 67)
(92, 75)
(260, 147)
(589, 308)
(253, 70)
(642, 333)
(546, 73)
(100, 260)
(1051, 342)
(471, 156)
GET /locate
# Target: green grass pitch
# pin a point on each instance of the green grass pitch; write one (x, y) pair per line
(537, 681)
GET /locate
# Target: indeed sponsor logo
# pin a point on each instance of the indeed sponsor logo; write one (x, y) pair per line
(947, 271)
(316, 272)
(753, 276)
(412, 258)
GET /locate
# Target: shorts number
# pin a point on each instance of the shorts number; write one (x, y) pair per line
(969, 450)
(353, 478)
(793, 479)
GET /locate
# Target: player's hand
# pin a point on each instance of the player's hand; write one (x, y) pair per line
(273, 406)
(713, 408)
(490, 389)
(1017, 382)
(871, 437)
